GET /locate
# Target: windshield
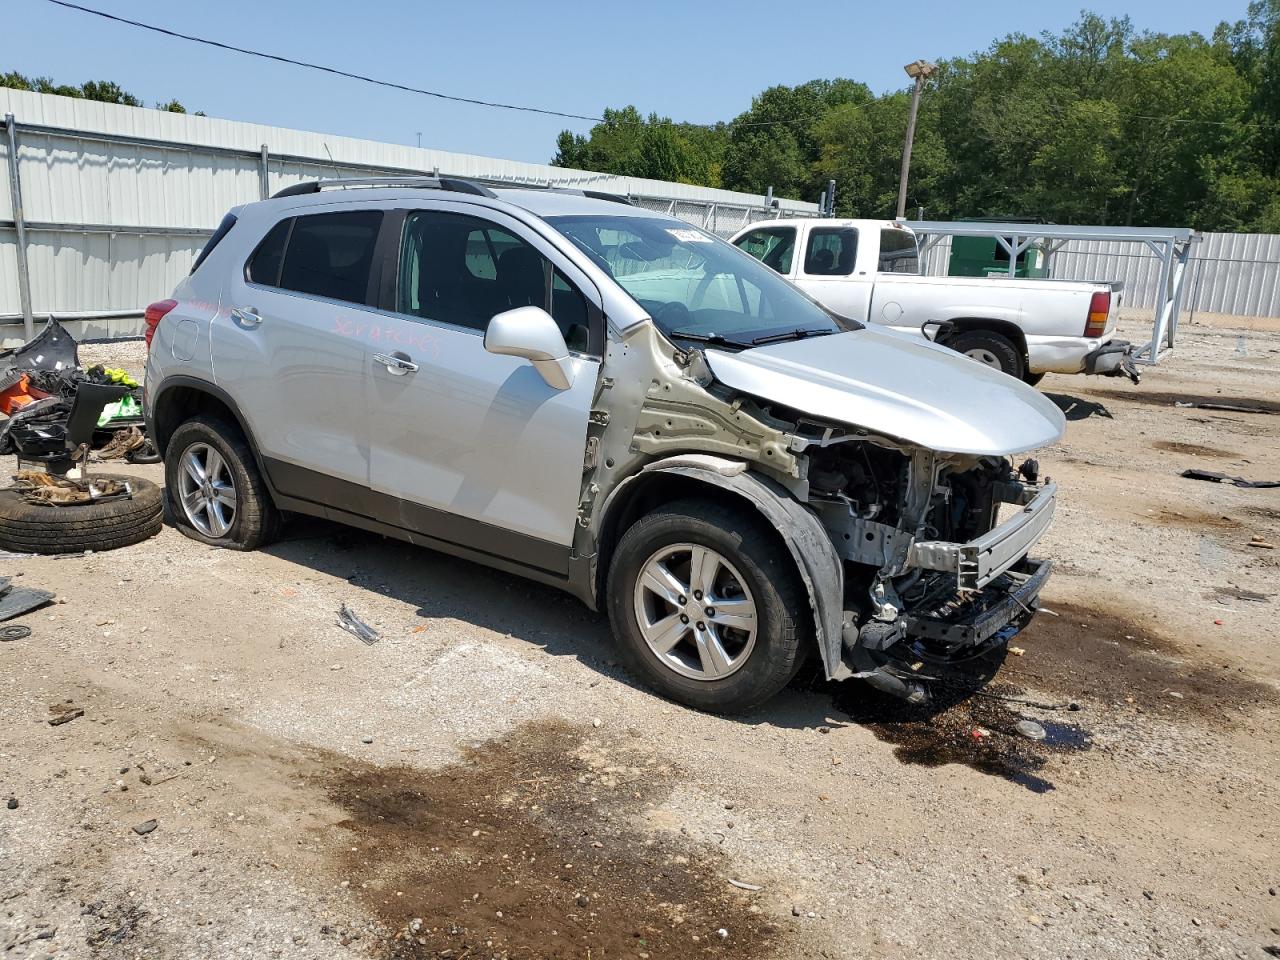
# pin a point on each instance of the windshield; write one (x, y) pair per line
(694, 285)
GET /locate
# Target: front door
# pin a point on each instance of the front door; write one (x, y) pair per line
(282, 336)
(466, 446)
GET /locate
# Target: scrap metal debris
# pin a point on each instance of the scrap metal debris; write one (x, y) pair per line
(1212, 477)
(14, 603)
(16, 632)
(742, 885)
(1207, 405)
(351, 623)
(44, 488)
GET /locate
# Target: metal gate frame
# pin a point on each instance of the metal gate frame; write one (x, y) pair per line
(1170, 245)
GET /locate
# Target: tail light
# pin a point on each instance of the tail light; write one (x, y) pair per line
(1099, 308)
(153, 315)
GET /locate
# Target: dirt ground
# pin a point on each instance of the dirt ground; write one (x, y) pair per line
(486, 781)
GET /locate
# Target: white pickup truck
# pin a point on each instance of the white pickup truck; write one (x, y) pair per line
(869, 270)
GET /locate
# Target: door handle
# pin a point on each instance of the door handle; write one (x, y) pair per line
(246, 317)
(397, 364)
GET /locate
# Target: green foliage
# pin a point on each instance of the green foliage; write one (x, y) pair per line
(1097, 123)
(101, 90)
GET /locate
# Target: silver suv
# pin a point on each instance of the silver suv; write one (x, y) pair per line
(583, 392)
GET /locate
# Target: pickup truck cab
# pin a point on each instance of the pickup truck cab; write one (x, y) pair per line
(869, 270)
(582, 392)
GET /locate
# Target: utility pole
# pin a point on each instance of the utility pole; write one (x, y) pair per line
(918, 70)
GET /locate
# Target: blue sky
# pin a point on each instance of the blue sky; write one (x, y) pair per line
(691, 61)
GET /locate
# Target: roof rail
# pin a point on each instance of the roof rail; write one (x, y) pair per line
(452, 184)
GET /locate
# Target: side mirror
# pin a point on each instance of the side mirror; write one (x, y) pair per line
(530, 332)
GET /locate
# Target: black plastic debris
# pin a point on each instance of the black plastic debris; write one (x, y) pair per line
(53, 348)
(351, 623)
(14, 603)
(16, 632)
(1212, 477)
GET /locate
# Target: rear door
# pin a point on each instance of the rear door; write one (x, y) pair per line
(285, 348)
(469, 447)
(828, 271)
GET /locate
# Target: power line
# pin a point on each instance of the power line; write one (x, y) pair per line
(315, 66)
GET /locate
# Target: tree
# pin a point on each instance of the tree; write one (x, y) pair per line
(104, 91)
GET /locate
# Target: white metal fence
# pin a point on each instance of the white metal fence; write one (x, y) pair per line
(117, 201)
(1231, 273)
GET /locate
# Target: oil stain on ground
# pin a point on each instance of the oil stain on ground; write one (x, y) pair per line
(1128, 666)
(1106, 662)
(523, 850)
(967, 726)
(1195, 450)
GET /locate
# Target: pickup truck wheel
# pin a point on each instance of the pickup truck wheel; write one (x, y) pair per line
(991, 349)
(215, 492)
(707, 609)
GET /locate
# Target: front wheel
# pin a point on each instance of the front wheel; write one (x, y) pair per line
(707, 606)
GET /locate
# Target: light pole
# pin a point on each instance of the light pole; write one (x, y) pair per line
(918, 70)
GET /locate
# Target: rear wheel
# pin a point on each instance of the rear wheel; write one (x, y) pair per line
(707, 606)
(216, 494)
(990, 349)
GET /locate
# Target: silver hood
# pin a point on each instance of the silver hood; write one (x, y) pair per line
(899, 386)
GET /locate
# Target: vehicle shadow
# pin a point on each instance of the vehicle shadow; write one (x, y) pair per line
(1074, 408)
(444, 589)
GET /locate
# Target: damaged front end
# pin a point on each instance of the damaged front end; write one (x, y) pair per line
(934, 576)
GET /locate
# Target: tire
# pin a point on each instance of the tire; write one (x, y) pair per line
(36, 528)
(249, 519)
(990, 348)
(1032, 379)
(750, 565)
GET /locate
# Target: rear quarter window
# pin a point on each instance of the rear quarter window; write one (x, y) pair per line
(224, 228)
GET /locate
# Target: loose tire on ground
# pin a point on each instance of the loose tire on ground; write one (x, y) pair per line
(783, 629)
(254, 521)
(37, 528)
(986, 346)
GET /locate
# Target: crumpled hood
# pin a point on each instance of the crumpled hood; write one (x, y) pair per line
(897, 385)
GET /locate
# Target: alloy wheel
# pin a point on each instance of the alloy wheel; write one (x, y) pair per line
(695, 611)
(207, 490)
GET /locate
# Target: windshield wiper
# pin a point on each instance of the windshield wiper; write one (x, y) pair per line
(797, 334)
(716, 338)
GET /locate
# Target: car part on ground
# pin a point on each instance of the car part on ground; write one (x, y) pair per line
(44, 528)
(214, 488)
(17, 632)
(350, 622)
(1212, 477)
(16, 602)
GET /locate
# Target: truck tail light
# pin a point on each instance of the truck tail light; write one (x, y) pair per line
(153, 315)
(1099, 308)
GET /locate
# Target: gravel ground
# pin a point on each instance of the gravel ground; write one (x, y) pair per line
(486, 781)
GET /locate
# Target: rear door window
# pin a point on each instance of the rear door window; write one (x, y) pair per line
(775, 247)
(898, 252)
(831, 251)
(326, 255)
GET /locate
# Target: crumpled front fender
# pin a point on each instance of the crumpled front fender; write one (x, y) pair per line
(807, 540)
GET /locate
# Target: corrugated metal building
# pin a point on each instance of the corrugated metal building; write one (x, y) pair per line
(118, 200)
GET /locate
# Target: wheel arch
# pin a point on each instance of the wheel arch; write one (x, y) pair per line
(798, 530)
(1006, 328)
(181, 398)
